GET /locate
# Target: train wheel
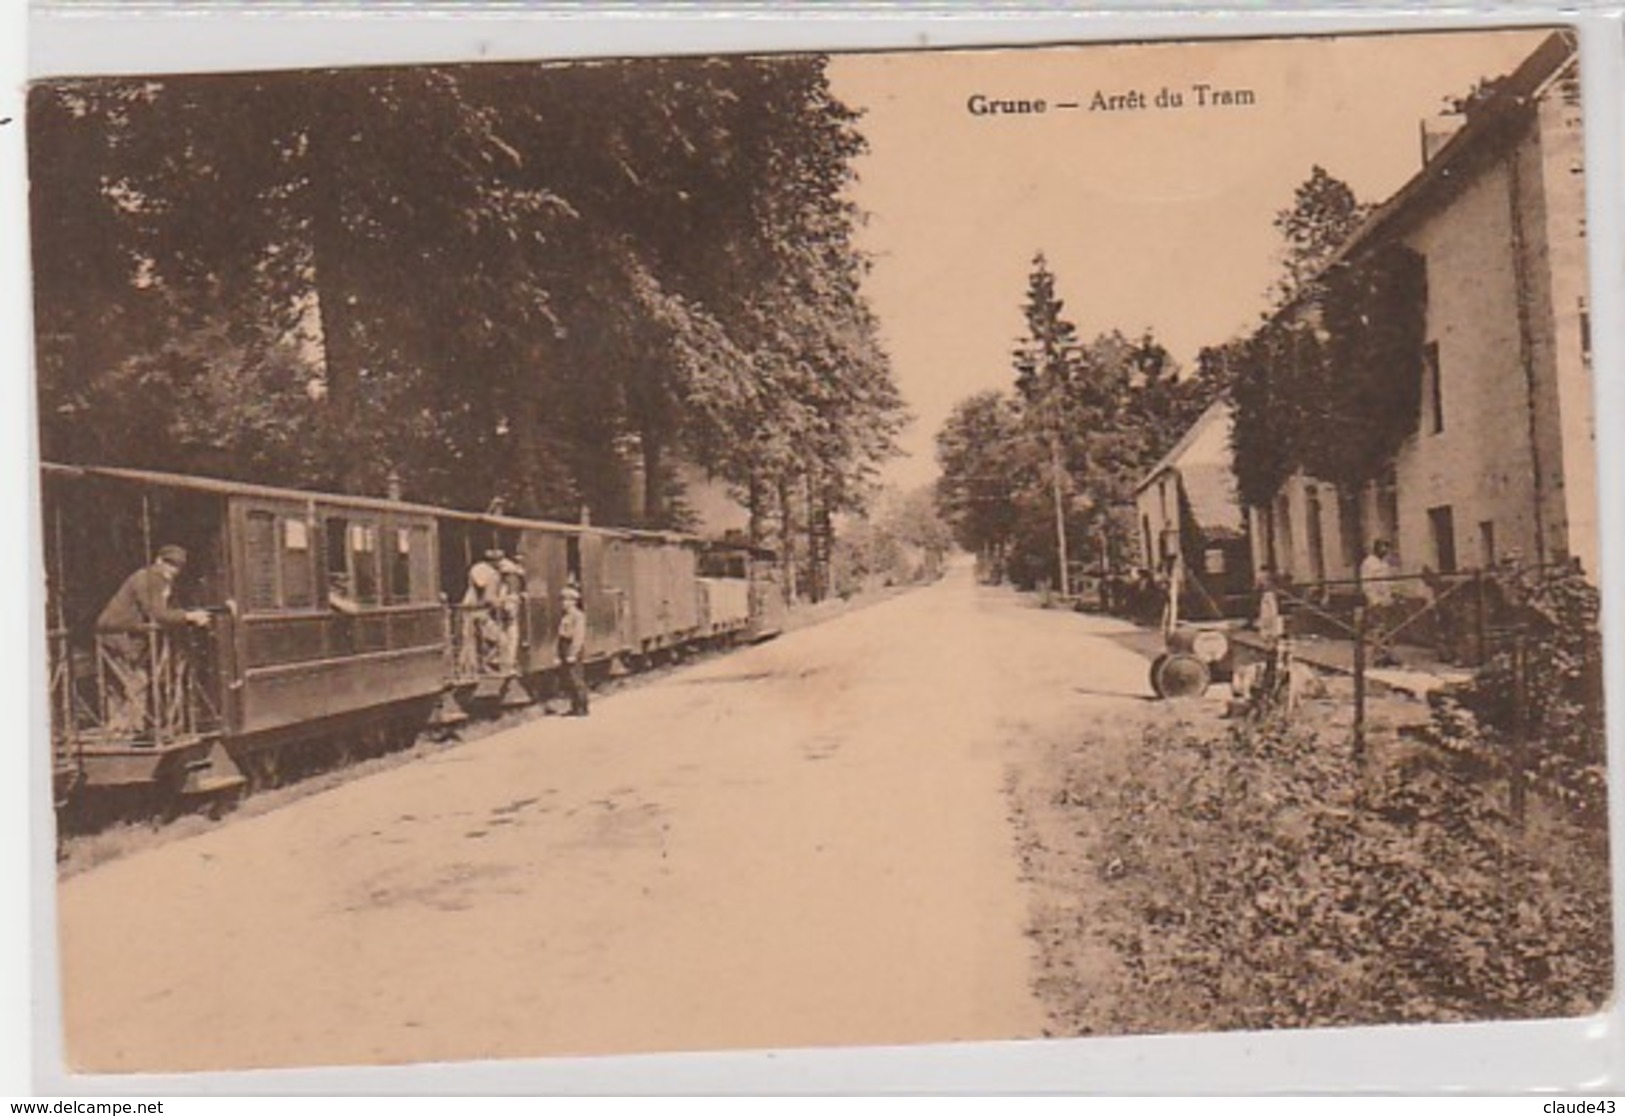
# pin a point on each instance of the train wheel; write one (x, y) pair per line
(263, 767)
(1180, 676)
(224, 802)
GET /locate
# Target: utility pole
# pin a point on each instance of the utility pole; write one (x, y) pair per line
(1057, 480)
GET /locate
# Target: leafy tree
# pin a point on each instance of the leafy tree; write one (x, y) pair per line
(1041, 477)
(1050, 386)
(977, 452)
(900, 540)
(1323, 214)
(496, 281)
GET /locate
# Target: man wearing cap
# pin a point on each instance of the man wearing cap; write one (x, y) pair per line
(140, 605)
(1376, 582)
(572, 647)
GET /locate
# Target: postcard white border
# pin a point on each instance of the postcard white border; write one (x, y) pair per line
(1564, 1057)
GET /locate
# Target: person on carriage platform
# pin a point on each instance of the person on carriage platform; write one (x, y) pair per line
(510, 600)
(482, 603)
(141, 605)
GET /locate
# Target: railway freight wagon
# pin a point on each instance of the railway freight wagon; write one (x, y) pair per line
(665, 609)
(724, 583)
(335, 625)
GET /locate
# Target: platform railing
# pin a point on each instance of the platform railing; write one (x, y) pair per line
(144, 687)
(483, 641)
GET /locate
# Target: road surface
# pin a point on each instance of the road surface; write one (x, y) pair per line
(804, 843)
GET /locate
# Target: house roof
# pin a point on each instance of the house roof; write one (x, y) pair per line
(1203, 461)
(1210, 490)
(1449, 165)
(1192, 449)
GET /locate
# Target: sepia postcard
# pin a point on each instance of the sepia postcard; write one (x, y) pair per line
(799, 551)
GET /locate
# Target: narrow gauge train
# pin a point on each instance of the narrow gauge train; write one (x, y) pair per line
(281, 679)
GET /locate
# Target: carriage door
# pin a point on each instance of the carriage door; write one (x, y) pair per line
(597, 597)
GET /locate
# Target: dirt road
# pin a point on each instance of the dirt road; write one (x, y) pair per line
(804, 843)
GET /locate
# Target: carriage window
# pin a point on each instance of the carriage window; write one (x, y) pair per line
(338, 561)
(422, 562)
(400, 564)
(259, 545)
(363, 538)
(298, 588)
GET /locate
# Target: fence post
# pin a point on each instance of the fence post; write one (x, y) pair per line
(1481, 651)
(1517, 775)
(154, 685)
(1359, 683)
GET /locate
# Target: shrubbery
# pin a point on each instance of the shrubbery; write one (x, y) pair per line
(1262, 879)
(1556, 615)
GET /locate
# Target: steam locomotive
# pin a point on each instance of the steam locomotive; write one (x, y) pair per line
(280, 681)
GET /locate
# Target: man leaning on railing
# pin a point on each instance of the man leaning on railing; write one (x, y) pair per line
(128, 629)
(1377, 583)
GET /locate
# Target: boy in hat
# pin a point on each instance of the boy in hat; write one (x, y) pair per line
(572, 647)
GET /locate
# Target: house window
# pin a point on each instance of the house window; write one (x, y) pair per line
(1283, 532)
(1486, 543)
(1317, 535)
(1145, 534)
(1434, 387)
(1348, 527)
(1388, 508)
(1442, 526)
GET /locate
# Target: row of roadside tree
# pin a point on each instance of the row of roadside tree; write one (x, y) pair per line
(548, 284)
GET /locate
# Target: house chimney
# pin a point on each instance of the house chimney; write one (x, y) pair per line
(1437, 131)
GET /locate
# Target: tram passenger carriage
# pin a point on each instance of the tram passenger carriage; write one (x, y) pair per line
(281, 676)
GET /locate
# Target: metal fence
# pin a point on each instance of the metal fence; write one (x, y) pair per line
(1503, 624)
(1472, 619)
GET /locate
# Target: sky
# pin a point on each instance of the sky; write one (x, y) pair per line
(1150, 218)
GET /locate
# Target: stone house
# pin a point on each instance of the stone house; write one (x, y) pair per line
(1502, 457)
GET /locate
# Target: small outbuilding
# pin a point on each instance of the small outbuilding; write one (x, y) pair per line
(1191, 519)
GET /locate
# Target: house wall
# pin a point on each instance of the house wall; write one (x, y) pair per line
(1556, 247)
(1514, 458)
(1516, 452)
(1479, 463)
(1288, 541)
(1156, 509)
